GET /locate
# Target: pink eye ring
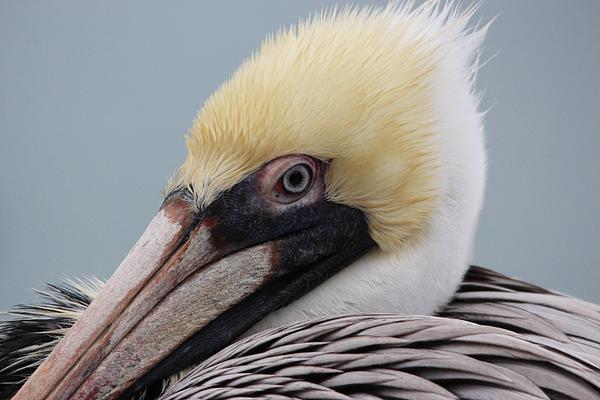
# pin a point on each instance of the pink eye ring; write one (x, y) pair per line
(287, 179)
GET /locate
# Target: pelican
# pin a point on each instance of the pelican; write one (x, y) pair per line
(325, 215)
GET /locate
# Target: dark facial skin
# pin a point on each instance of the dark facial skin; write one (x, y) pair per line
(312, 239)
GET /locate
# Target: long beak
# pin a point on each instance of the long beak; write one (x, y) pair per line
(165, 290)
(192, 283)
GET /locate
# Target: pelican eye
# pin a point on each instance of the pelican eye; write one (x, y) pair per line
(288, 179)
(297, 179)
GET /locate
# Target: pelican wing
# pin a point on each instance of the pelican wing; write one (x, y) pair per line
(500, 338)
(554, 321)
(388, 357)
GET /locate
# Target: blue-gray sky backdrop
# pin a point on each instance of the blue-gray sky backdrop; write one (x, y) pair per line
(95, 98)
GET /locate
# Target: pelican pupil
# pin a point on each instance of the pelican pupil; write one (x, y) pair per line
(297, 179)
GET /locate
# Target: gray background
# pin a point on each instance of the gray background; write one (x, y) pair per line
(95, 98)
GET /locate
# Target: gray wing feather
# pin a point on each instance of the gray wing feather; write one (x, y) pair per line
(499, 339)
(389, 357)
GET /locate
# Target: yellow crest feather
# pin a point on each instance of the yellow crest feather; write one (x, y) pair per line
(353, 87)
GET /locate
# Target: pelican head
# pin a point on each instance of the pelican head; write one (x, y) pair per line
(340, 169)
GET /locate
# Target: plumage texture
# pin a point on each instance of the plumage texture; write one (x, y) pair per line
(387, 357)
(557, 322)
(362, 77)
(500, 337)
(33, 331)
(523, 342)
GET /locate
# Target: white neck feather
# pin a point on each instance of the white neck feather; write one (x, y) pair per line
(422, 280)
